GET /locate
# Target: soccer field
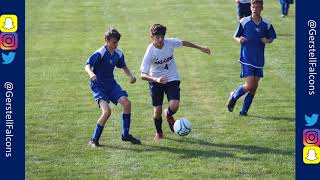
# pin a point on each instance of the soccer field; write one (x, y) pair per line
(61, 113)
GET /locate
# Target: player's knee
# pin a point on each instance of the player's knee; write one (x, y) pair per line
(106, 113)
(157, 113)
(127, 103)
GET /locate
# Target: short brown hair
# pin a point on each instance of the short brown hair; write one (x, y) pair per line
(158, 29)
(112, 33)
(257, 1)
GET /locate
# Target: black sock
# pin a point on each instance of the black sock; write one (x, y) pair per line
(170, 112)
(158, 124)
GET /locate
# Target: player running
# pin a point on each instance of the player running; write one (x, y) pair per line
(159, 68)
(253, 33)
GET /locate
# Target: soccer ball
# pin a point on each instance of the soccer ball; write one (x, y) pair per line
(182, 127)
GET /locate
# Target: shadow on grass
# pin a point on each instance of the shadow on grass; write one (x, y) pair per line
(248, 148)
(276, 118)
(184, 152)
(286, 35)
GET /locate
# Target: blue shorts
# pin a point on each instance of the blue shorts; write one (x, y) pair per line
(157, 90)
(108, 92)
(244, 10)
(247, 71)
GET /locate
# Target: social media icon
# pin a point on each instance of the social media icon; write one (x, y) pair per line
(311, 155)
(8, 58)
(8, 23)
(312, 120)
(8, 41)
(311, 137)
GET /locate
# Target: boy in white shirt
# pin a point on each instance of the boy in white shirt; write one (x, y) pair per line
(159, 68)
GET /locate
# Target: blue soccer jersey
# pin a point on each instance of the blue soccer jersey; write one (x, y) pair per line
(252, 50)
(103, 63)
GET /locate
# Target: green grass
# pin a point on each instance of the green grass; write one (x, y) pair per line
(61, 113)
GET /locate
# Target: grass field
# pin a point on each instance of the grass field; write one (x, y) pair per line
(61, 113)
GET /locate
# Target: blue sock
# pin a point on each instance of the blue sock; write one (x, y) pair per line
(239, 92)
(158, 124)
(97, 133)
(169, 112)
(247, 103)
(126, 124)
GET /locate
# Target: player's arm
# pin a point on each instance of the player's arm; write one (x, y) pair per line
(129, 74)
(147, 77)
(204, 49)
(270, 36)
(88, 69)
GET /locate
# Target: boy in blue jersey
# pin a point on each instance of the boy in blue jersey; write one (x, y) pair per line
(100, 66)
(253, 33)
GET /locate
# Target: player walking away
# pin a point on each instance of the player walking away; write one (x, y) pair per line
(285, 4)
(159, 68)
(243, 8)
(100, 66)
(253, 33)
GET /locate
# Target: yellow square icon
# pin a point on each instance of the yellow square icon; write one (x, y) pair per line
(311, 155)
(8, 23)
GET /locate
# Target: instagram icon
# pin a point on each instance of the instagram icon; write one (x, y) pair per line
(8, 41)
(311, 137)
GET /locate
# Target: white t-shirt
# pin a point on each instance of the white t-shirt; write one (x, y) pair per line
(160, 62)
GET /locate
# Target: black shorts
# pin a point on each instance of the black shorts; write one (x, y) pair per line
(157, 90)
(244, 10)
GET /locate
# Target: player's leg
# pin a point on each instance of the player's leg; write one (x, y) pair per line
(126, 120)
(173, 95)
(157, 117)
(106, 112)
(241, 90)
(251, 86)
(118, 95)
(156, 93)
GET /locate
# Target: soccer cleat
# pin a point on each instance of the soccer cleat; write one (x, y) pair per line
(132, 139)
(158, 136)
(231, 102)
(243, 113)
(169, 119)
(94, 143)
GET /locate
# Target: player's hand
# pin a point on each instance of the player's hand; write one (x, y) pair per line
(266, 40)
(205, 49)
(161, 80)
(133, 79)
(93, 77)
(242, 39)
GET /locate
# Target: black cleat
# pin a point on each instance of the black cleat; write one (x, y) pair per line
(94, 143)
(243, 113)
(132, 139)
(231, 102)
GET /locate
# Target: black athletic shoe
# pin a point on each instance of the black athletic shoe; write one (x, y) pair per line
(94, 144)
(132, 139)
(231, 102)
(243, 114)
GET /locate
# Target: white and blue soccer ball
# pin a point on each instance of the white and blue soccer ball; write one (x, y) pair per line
(182, 127)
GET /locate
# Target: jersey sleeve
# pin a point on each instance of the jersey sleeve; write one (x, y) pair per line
(93, 59)
(271, 33)
(175, 42)
(239, 31)
(146, 62)
(121, 62)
